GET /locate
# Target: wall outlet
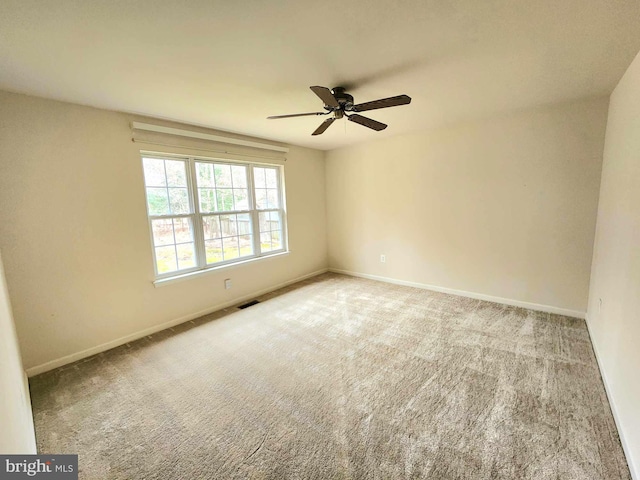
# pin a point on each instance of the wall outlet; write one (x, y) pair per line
(227, 284)
(383, 258)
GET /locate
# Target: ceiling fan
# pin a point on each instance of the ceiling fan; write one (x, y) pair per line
(338, 102)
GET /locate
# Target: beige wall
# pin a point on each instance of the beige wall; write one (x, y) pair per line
(615, 275)
(504, 207)
(75, 237)
(16, 423)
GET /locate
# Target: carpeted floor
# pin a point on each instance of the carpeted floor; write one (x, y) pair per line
(340, 378)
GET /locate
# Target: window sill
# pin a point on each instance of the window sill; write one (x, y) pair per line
(161, 282)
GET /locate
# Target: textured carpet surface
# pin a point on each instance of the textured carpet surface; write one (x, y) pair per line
(345, 378)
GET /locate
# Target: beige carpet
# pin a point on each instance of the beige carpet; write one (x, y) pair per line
(340, 378)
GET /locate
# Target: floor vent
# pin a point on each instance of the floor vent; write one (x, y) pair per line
(248, 304)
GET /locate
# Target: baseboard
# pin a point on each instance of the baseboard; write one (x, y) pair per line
(635, 474)
(462, 293)
(74, 357)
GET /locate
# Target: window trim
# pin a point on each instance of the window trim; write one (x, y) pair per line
(196, 215)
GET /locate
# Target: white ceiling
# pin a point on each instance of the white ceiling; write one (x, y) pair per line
(229, 64)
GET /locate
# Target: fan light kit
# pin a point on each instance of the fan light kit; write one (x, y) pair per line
(338, 103)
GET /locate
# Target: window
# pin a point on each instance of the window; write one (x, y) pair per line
(205, 213)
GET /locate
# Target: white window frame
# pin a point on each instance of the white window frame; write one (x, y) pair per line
(196, 215)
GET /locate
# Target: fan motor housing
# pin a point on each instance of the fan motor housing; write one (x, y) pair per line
(344, 99)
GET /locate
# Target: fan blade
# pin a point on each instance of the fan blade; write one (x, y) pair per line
(326, 96)
(367, 122)
(274, 117)
(324, 125)
(382, 103)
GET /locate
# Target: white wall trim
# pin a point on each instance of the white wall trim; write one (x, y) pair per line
(635, 474)
(59, 362)
(206, 136)
(462, 293)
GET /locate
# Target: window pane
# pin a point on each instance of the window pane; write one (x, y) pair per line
(269, 221)
(223, 175)
(171, 236)
(239, 176)
(258, 177)
(204, 174)
(225, 199)
(244, 224)
(176, 173)
(154, 172)
(272, 198)
(162, 232)
(246, 245)
(241, 199)
(263, 218)
(166, 259)
(182, 228)
(179, 200)
(213, 250)
(265, 241)
(228, 225)
(230, 248)
(274, 221)
(211, 227)
(276, 241)
(157, 201)
(207, 200)
(271, 178)
(261, 198)
(270, 231)
(186, 256)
